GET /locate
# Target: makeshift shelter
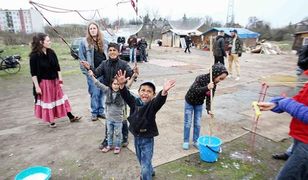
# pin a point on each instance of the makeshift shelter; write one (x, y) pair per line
(300, 39)
(248, 37)
(174, 36)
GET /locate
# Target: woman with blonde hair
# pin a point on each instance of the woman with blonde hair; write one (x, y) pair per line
(93, 50)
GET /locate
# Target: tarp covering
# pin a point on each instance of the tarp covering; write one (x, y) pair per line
(242, 32)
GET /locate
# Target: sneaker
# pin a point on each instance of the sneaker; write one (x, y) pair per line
(185, 146)
(103, 144)
(94, 118)
(153, 173)
(106, 149)
(229, 76)
(125, 143)
(237, 78)
(101, 116)
(117, 150)
(52, 125)
(196, 145)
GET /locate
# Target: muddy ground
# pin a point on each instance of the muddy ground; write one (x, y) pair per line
(71, 149)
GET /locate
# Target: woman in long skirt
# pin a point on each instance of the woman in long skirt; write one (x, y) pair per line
(50, 101)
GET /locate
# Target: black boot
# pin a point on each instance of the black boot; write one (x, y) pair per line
(281, 156)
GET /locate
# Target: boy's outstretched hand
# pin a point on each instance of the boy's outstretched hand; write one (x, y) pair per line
(120, 76)
(136, 69)
(167, 86)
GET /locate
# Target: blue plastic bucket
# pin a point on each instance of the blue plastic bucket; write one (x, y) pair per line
(34, 173)
(209, 148)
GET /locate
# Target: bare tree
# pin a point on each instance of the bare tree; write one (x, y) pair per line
(151, 20)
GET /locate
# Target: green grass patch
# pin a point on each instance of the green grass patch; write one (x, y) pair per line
(285, 45)
(235, 162)
(69, 66)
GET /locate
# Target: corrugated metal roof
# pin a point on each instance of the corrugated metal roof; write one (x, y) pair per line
(302, 23)
(301, 32)
(242, 32)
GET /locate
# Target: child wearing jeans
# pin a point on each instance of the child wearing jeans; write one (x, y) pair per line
(114, 112)
(142, 115)
(194, 99)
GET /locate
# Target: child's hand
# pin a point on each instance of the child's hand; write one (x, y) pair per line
(210, 85)
(211, 114)
(167, 86)
(136, 69)
(265, 106)
(85, 64)
(90, 73)
(134, 76)
(120, 76)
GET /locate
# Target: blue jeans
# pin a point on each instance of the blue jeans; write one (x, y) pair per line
(97, 98)
(144, 151)
(189, 112)
(296, 166)
(132, 54)
(114, 128)
(143, 55)
(289, 150)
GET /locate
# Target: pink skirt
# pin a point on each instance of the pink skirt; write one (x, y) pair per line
(52, 104)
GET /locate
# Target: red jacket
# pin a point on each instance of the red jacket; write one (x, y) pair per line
(298, 129)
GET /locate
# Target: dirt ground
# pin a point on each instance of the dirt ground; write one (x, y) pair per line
(71, 149)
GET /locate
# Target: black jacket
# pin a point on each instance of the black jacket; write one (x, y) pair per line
(198, 91)
(219, 46)
(303, 58)
(142, 116)
(109, 68)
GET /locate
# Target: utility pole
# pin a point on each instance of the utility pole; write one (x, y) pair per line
(230, 14)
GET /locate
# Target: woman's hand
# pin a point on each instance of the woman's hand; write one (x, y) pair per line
(38, 90)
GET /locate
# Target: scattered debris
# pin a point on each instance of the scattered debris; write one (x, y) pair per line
(236, 165)
(224, 165)
(264, 47)
(11, 155)
(241, 156)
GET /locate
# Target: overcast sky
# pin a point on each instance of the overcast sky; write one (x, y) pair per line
(277, 12)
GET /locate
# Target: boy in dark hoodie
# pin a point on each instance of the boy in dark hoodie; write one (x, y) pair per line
(142, 119)
(194, 99)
